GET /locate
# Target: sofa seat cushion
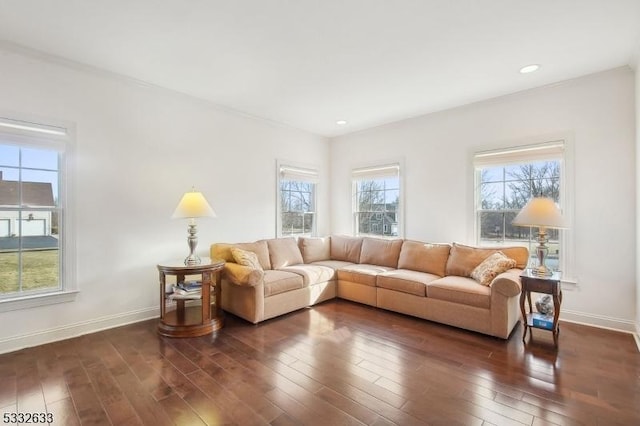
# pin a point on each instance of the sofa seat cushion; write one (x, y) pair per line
(466, 291)
(276, 282)
(312, 274)
(406, 281)
(333, 264)
(362, 273)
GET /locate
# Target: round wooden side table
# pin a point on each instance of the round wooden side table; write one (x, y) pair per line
(191, 321)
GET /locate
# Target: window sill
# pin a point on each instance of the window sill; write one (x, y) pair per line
(32, 301)
(570, 284)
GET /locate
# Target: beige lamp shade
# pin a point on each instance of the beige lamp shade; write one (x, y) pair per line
(540, 212)
(193, 204)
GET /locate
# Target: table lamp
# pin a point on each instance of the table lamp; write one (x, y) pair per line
(193, 205)
(542, 213)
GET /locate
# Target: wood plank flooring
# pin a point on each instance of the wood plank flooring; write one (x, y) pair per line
(338, 363)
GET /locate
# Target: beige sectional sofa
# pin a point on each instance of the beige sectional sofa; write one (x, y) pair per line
(430, 281)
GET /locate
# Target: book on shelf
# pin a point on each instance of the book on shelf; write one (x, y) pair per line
(186, 290)
(190, 285)
(187, 287)
(542, 320)
(192, 296)
(179, 290)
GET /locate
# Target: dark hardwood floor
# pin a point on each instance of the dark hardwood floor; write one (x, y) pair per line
(336, 363)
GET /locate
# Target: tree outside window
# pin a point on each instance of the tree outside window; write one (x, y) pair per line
(297, 187)
(376, 193)
(297, 204)
(503, 191)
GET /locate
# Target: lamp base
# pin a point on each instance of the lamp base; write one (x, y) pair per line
(192, 260)
(541, 252)
(192, 241)
(541, 271)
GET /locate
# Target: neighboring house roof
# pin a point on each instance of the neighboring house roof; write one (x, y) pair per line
(34, 194)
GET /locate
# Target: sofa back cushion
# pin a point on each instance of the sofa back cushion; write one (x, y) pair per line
(464, 259)
(424, 257)
(222, 251)
(519, 254)
(314, 249)
(381, 252)
(346, 248)
(284, 252)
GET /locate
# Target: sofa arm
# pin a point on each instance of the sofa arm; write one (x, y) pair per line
(507, 283)
(243, 275)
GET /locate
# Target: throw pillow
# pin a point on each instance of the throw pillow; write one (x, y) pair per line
(491, 267)
(245, 258)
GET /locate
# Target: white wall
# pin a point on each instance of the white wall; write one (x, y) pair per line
(596, 112)
(637, 74)
(138, 149)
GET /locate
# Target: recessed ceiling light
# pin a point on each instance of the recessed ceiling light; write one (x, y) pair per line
(341, 122)
(529, 68)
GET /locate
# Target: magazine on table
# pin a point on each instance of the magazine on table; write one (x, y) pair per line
(175, 296)
(186, 290)
(187, 287)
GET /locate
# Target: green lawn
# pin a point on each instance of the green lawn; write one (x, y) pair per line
(39, 270)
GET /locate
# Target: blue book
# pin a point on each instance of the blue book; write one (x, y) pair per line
(190, 285)
(542, 321)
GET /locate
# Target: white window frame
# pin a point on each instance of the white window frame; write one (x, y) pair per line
(287, 170)
(378, 170)
(559, 148)
(34, 132)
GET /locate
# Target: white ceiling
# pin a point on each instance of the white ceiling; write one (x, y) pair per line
(308, 63)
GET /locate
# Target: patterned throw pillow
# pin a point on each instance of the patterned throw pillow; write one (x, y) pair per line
(246, 258)
(491, 267)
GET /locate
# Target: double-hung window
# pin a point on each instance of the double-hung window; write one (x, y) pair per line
(33, 208)
(377, 200)
(505, 180)
(297, 187)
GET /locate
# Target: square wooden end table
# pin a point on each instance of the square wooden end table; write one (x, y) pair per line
(532, 283)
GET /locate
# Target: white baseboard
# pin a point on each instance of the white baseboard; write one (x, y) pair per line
(636, 335)
(15, 343)
(600, 321)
